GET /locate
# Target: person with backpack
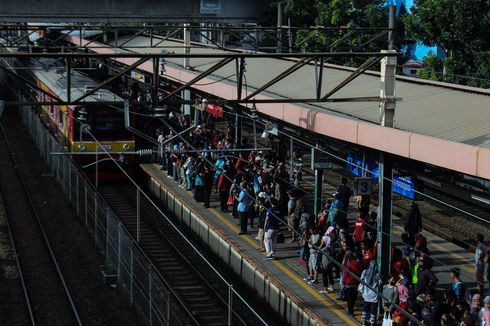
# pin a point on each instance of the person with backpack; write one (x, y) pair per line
(336, 207)
(457, 286)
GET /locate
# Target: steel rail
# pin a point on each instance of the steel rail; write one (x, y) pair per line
(43, 232)
(185, 260)
(18, 263)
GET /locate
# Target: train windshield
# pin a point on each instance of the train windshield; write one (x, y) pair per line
(106, 123)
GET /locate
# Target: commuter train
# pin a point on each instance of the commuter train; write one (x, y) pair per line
(78, 128)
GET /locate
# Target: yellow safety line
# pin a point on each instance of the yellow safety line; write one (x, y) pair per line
(336, 310)
(455, 255)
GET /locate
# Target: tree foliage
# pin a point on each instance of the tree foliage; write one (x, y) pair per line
(433, 68)
(337, 13)
(460, 27)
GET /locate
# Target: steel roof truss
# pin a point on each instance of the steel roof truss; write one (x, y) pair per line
(281, 76)
(108, 81)
(131, 38)
(356, 73)
(202, 75)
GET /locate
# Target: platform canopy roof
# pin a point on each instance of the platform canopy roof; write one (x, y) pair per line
(438, 123)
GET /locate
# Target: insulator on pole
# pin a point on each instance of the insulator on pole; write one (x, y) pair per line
(145, 152)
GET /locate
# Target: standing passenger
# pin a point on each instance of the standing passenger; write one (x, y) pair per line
(207, 184)
(271, 227)
(244, 200)
(370, 277)
(224, 185)
(480, 257)
(345, 194)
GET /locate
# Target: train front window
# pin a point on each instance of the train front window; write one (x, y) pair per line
(106, 123)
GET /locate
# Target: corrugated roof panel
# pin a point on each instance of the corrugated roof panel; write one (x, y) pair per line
(437, 111)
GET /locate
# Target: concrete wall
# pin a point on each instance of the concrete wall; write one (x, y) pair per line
(111, 11)
(280, 301)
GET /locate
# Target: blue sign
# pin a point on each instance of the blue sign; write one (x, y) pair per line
(402, 185)
(357, 167)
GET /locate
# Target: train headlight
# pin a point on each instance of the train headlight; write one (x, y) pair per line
(81, 147)
(126, 147)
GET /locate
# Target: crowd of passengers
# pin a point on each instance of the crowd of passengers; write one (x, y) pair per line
(263, 191)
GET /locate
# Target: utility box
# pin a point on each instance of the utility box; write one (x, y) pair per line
(109, 277)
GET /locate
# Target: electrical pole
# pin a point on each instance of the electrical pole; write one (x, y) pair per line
(387, 113)
(279, 26)
(187, 45)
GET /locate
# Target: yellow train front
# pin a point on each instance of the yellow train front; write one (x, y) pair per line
(94, 131)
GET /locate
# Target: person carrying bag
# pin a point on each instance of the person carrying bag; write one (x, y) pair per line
(387, 321)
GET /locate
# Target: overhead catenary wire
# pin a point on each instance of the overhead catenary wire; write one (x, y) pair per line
(320, 150)
(325, 152)
(253, 199)
(173, 225)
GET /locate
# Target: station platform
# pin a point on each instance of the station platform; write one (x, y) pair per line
(280, 282)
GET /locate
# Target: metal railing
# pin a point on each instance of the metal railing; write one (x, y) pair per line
(143, 285)
(137, 277)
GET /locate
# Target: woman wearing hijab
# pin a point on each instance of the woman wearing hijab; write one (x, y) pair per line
(371, 280)
(328, 256)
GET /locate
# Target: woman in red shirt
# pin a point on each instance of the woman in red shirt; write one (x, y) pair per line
(354, 266)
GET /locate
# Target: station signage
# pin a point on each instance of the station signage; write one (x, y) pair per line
(138, 76)
(405, 185)
(364, 186)
(215, 110)
(210, 7)
(320, 160)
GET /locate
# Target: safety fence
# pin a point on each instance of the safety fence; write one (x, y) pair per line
(137, 277)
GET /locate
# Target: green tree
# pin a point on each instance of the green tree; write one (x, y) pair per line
(342, 14)
(458, 26)
(432, 69)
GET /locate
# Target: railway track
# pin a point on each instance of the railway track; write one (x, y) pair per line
(189, 277)
(472, 209)
(48, 300)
